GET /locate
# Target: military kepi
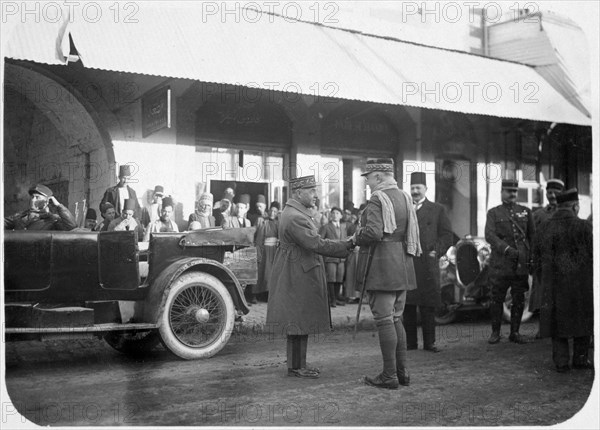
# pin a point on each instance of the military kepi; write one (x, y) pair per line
(555, 184)
(418, 178)
(40, 189)
(570, 195)
(303, 182)
(378, 165)
(510, 184)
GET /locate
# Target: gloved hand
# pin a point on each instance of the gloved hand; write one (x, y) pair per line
(512, 253)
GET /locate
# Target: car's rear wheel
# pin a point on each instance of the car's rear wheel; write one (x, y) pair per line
(198, 316)
(133, 343)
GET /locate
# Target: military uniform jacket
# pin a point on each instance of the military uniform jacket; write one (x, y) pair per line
(298, 285)
(392, 268)
(30, 220)
(436, 235)
(563, 259)
(541, 215)
(502, 233)
(328, 231)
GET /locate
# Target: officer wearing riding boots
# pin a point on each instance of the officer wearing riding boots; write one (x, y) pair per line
(509, 229)
(388, 240)
(39, 216)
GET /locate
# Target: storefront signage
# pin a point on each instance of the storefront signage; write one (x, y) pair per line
(156, 111)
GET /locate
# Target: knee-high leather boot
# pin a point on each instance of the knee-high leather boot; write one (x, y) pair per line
(516, 313)
(496, 317)
(401, 365)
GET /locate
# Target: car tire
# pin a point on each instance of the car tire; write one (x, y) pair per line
(133, 343)
(198, 316)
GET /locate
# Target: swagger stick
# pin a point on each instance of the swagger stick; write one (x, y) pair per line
(364, 282)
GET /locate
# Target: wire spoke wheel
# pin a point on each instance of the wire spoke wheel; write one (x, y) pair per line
(198, 316)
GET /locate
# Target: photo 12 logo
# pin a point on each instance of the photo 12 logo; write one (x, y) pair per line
(54, 12)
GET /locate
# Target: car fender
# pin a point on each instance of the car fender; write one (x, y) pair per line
(155, 301)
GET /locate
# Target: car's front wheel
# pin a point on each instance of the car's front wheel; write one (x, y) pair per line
(198, 316)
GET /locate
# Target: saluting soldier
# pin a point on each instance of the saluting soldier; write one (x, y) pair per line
(509, 229)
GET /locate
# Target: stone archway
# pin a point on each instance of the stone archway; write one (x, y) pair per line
(52, 136)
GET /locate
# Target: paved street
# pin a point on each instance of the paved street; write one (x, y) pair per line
(85, 382)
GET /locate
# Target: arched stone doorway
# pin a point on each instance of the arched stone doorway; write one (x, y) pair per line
(51, 136)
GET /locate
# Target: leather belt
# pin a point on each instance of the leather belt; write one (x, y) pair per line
(393, 238)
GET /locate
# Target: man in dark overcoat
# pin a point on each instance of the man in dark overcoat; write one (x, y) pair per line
(117, 195)
(436, 237)
(39, 216)
(388, 240)
(563, 260)
(553, 188)
(297, 303)
(509, 229)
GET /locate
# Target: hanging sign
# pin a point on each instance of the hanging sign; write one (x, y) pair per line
(156, 111)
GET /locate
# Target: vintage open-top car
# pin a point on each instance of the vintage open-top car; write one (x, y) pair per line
(180, 290)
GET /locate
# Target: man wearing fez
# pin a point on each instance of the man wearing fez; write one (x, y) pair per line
(203, 214)
(152, 213)
(108, 214)
(90, 219)
(389, 239)
(117, 195)
(260, 211)
(509, 229)
(297, 286)
(238, 219)
(164, 223)
(39, 216)
(436, 237)
(563, 260)
(553, 187)
(126, 221)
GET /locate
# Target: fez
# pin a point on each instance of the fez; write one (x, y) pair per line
(167, 201)
(40, 189)
(124, 170)
(261, 199)
(418, 178)
(555, 184)
(275, 205)
(129, 205)
(90, 214)
(378, 165)
(303, 182)
(510, 184)
(159, 191)
(244, 198)
(570, 195)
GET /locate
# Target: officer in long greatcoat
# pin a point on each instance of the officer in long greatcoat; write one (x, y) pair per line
(389, 236)
(563, 260)
(509, 229)
(436, 237)
(297, 303)
(553, 188)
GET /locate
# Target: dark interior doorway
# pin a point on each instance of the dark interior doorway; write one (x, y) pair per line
(217, 189)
